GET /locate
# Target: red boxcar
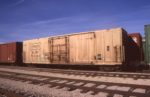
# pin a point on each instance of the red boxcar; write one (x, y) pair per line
(137, 38)
(11, 53)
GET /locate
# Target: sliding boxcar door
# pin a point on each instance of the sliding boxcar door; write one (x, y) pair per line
(59, 49)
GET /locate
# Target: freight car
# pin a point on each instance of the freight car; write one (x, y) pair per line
(144, 47)
(139, 45)
(11, 53)
(137, 38)
(101, 48)
(147, 44)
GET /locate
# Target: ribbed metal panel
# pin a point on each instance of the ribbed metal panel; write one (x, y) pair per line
(11, 52)
(147, 38)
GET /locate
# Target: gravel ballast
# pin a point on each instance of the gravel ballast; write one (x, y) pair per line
(30, 90)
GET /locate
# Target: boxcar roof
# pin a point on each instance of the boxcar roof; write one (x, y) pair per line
(77, 33)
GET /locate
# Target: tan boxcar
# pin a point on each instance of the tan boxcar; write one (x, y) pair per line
(101, 47)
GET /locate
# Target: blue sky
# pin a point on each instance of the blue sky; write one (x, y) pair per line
(27, 19)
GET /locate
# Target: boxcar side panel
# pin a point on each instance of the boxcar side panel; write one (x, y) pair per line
(8, 53)
(101, 47)
(81, 48)
(36, 51)
(109, 46)
(12, 52)
(147, 37)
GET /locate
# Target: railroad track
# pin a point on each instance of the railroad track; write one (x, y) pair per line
(126, 90)
(90, 73)
(96, 73)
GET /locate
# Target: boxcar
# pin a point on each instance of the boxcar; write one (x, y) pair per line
(147, 43)
(137, 38)
(144, 48)
(11, 53)
(139, 45)
(107, 47)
